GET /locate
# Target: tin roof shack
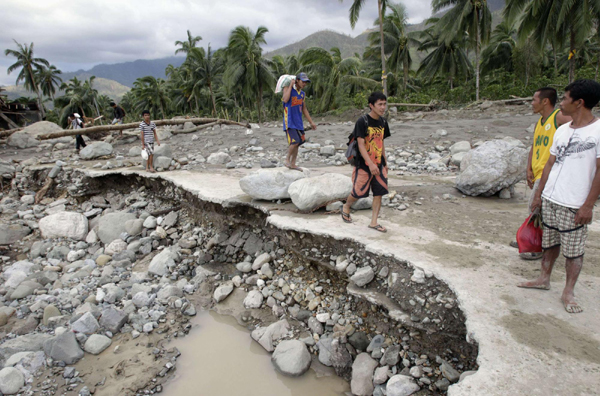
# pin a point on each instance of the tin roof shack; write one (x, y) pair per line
(16, 114)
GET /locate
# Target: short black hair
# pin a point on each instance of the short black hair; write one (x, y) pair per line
(145, 112)
(588, 90)
(375, 96)
(112, 104)
(548, 93)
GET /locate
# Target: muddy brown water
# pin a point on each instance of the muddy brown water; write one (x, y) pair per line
(219, 358)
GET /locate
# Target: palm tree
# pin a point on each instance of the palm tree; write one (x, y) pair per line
(204, 68)
(27, 62)
(151, 93)
(332, 72)
(354, 13)
(186, 46)
(397, 41)
(248, 69)
(553, 20)
(498, 54)
(48, 79)
(448, 59)
(74, 99)
(471, 16)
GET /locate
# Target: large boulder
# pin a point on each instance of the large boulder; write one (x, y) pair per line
(266, 335)
(271, 184)
(161, 263)
(31, 342)
(491, 167)
(64, 348)
(11, 380)
(64, 225)
(95, 150)
(11, 233)
(27, 137)
(313, 192)
(111, 225)
(291, 358)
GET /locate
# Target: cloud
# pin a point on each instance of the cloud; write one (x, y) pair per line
(76, 35)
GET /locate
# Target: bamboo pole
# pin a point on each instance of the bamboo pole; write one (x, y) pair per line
(133, 125)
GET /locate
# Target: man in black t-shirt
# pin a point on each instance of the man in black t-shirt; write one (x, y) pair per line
(370, 172)
(119, 115)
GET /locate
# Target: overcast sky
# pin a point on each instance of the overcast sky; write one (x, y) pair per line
(78, 34)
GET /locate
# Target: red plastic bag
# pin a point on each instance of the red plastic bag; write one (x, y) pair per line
(529, 235)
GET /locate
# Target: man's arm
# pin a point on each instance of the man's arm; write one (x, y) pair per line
(143, 142)
(584, 214)
(537, 199)
(287, 92)
(365, 155)
(529, 169)
(305, 112)
(156, 137)
(562, 119)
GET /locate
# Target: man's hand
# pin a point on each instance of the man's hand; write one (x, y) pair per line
(313, 126)
(584, 215)
(530, 181)
(374, 169)
(536, 203)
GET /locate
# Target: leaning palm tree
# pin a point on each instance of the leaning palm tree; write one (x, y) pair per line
(186, 46)
(553, 20)
(354, 13)
(27, 62)
(204, 68)
(499, 52)
(471, 16)
(333, 73)
(248, 69)
(397, 42)
(48, 79)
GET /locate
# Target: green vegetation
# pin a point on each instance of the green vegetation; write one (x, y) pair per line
(463, 54)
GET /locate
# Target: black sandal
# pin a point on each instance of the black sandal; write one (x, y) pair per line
(346, 217)
(379, 228)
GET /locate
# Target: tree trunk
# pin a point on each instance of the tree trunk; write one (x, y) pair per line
(212, 97)
(405, 72)
(555, 59)
(572, 55)
(478, 43)
(37, 91)
(597, 67)
(383, 72)
(259, 102)
(451, 83)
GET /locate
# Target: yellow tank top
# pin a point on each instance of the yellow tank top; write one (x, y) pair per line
(542, 141)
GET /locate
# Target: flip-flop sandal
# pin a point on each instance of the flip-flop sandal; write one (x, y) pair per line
(346, 217)
(297, 169)
(378, 227)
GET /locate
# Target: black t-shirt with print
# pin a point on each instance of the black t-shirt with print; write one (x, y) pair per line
(373, 131)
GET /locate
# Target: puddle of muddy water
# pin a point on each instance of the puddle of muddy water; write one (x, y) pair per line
(219, 358)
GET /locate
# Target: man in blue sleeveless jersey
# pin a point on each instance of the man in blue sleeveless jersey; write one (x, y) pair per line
(293, 109)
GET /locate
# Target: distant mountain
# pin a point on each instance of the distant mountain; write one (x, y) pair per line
(126, 73)
(107, 87)
(326, 39)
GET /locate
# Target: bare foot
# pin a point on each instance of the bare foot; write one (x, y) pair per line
(536, 284)
(570, 304)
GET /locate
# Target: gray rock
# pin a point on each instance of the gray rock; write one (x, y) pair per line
(11, 380)
(291, 358)
(401, 385)
(64, 348)
(505, 193)
(169, 291)
(254, 299)
(170, 220)
(113, 294)
(87, 324)
(313, 192)
(447, 370)
(363, 203)
(96, 343)
(112, 225)
(163, 261)
(457, 158)
(218, 158)
(150, 222)
(362, 375)
(29, 342)
(135, 151)
(142, 299)
(381, 375)
(162, 162)
(95, 150)
(26, 288)
(363, 276)
(244, 267)
(391, 356)
(11, 233)
(315, 326)
(64, 225)
(327, 151)
(265, 336)
(134, 227)
(324, 345)
(265, 164)
(222, 292)
(271, 184)
(460, 147)
(491, 167)
(112, 320)
(376, 343)
(359, 341)
(7, 169)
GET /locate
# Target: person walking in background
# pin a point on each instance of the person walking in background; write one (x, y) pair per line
(294, 107)
(370, 172)
(148, 131)
(119, 115)
(75, 122)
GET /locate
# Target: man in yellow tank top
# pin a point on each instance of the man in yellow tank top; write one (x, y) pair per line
(544, 100)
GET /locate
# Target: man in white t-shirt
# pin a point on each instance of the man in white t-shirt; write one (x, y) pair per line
(569, 188)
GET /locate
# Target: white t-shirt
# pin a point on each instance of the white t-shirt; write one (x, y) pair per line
(571, 177)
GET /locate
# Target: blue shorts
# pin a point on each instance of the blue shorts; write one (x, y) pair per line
(295, 136)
